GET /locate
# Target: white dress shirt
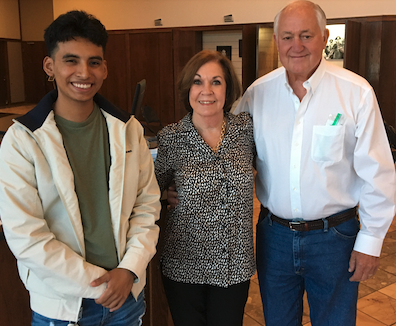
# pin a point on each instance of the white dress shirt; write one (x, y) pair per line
(309, 168)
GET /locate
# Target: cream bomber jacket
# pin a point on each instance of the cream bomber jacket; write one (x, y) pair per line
(41, 216)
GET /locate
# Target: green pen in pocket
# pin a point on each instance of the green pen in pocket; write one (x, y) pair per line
(337, 118)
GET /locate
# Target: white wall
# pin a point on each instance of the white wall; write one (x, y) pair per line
(9, 19)
(210, 41)
(130, 14)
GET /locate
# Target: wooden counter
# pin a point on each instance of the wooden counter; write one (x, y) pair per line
(14, 298)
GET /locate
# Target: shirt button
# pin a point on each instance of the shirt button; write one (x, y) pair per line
(296, 209)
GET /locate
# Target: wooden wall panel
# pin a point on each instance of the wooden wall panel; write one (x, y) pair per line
(36, 84)
(370, 47)
(371, 36)
(387, 73)
(144, 52)
(352, 46)
(267, 52)
(249, 57)
(4, 84)
(186, 43)
(117, 87)
(166, 80)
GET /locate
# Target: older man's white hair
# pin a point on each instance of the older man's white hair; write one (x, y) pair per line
(320, 15)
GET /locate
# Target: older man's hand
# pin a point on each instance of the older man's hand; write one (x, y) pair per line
(172, 199)
(363, 266)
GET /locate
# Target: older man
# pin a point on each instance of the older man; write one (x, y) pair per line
(322, 152)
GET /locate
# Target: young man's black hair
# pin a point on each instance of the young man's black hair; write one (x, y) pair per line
(75, 24)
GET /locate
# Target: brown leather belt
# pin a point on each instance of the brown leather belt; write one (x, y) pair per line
(332, 220)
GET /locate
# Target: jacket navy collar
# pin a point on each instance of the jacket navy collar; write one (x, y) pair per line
(35, 118)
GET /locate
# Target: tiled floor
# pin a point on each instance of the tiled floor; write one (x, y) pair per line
(377, 296)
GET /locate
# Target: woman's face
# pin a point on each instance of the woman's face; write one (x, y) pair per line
(208, 92)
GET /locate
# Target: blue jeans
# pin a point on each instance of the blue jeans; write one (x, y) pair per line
(130, 314)
(289, 262)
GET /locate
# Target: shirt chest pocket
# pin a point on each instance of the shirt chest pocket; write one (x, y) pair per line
(327, 143)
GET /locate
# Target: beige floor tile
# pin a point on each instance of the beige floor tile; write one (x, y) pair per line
(364, 320)
(361, 320)
(389, 246)
(390, 291)
(388, 264)
(391, 232)
(364, 290)
(249, 321)
(255, 280)
(380, 280)
(379, 306)
(393, 226)
(305, 318)
(254, 308)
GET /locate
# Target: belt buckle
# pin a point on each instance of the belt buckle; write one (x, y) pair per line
(293, 224)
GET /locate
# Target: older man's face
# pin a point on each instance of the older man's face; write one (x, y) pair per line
(300, 41)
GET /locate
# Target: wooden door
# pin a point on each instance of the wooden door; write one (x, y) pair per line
(186, 43)
(370, 44)
(150, 57)
(249, 58)
(117, 87)
(36, 84)
(4, 91)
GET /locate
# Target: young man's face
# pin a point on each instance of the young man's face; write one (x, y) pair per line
(79, 70)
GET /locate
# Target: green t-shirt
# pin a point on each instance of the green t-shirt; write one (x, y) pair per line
(87, 148)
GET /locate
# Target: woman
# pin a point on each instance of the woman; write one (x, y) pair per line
(208, 256)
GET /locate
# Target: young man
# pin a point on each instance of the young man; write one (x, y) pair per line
(78, 194)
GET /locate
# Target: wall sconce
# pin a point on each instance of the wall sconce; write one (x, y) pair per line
(158, 22)
(228, 19)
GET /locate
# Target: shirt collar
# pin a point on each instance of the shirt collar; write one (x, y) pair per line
(313, 81)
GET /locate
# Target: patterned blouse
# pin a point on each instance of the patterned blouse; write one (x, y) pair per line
(209, 235)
